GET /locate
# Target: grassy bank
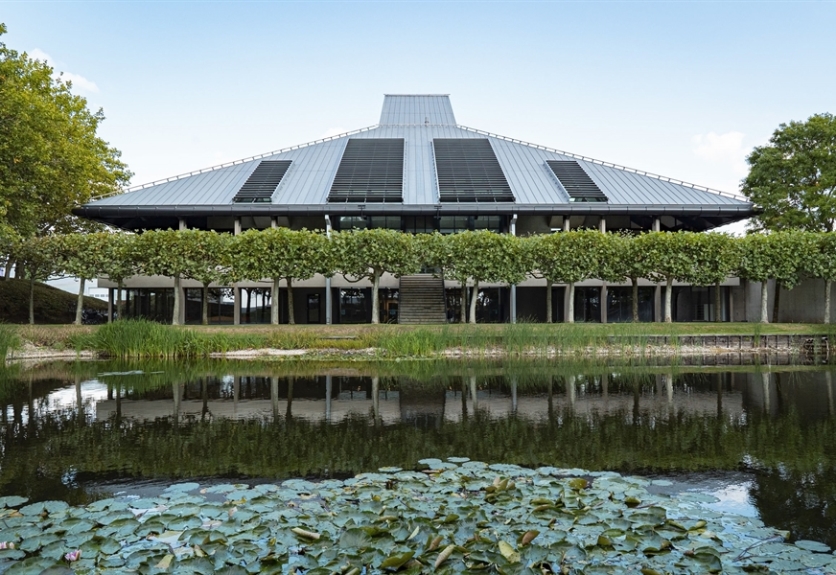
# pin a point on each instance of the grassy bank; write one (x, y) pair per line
(126, 339)
(52, 305)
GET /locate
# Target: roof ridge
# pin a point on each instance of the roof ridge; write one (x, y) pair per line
(733, 195)
(235, 162)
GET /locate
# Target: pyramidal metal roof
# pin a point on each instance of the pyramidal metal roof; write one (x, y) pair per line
(418, 120)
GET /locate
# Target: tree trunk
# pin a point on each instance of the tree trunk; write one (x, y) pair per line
(827, 284)
(548, 301)
(175, 313)
(119, 305)
(291, 317)
(570, 304)
(7, 273)
(473, 297)
(635, 299)
(79, 304)
(249, 305)
(375, 299)
(31, 301)
(764, 301)
(776, 302)
(718, 303)
(204, 313)
(274, 304)
(463, 311)
(668, 298)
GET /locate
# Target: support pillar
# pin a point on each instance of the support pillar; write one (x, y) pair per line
(604, 303)
(274, 222)
(328, 304)
(567, 225)
(236, 226)
(182, 224)
(657, 225)
(602, 225)
(513, 231)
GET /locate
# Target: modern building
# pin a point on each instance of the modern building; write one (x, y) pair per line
(418, 170)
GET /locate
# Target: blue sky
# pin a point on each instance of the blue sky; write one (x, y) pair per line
(684, 89)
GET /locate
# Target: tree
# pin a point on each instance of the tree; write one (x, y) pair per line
(668, 260)
(821, 263)
(368, 254)
(206, 259)
(120, 256)
(282, 254)
(162, 252)
(567, 257)
(38, 256)
(624, 259)
(715, 257)
(51, 159)
(484, 256)
(792, 180)
(83, 256)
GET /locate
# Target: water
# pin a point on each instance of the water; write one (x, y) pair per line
(760, 441)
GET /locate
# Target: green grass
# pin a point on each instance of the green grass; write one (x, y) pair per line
(139, 338)
(9, 340)
(52, 305)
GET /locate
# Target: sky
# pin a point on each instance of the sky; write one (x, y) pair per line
(682, 89)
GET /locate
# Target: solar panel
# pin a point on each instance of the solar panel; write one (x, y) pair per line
(371, 170)
(261, 184)
(576, 181)
(468, 171)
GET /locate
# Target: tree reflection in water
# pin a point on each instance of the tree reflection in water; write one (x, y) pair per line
(68, 434)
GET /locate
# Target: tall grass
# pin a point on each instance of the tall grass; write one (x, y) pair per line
(8, 341)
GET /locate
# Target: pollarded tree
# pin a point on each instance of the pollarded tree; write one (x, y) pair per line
(668, 260)
(792, 180)
(484, 256)
(162, 252)
(83, 256)
(207, 259)
(568, 257)
(368, 254)
(777, 256)
(38, 255)
(715, 257)
(120, 259)
(820, 262)
(625, 259)
(281, 254)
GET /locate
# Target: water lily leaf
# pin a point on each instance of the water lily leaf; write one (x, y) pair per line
(390, 469)
(444, 555)
(395, 562)
(508, 552)
(458, 459)
(190, 486)
(814, 546)
(165, 562)
(33, 509)
(12, 501)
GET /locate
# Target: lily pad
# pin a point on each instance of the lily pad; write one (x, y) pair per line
(814, 546)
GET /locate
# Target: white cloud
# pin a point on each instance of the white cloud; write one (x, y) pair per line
(724, 149)
(79, 82)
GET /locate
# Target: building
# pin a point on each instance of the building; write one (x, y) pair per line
(418, 170)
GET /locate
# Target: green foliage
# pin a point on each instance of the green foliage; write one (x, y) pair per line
(792, 180)
(371, 253)
(281, 253)
(8, 340)
(485, 256)
(570, 257)
(715, 257)
(51, 159)
(780, 256)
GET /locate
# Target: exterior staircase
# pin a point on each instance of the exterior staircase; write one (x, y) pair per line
(421, 300)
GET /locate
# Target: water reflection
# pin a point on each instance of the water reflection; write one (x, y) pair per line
(69, 432)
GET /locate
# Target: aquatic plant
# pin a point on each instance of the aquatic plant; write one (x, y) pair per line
(456, 517)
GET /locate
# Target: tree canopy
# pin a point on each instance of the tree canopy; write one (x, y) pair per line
(792, 179)
(51, 159)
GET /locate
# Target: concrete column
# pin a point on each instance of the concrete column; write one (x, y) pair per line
(604, 303)
(274, 222)
(376, 398)
(571, 391)
(513, 232)
(182, 224)
(657, 225)
(236, 226)
(567, 225)
(328, 304)
(602, 225)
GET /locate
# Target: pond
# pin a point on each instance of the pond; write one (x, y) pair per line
(759, 439)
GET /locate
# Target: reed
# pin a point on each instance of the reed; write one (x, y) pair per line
(8, 341)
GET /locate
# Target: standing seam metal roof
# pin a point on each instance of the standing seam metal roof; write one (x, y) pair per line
(418, 120)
